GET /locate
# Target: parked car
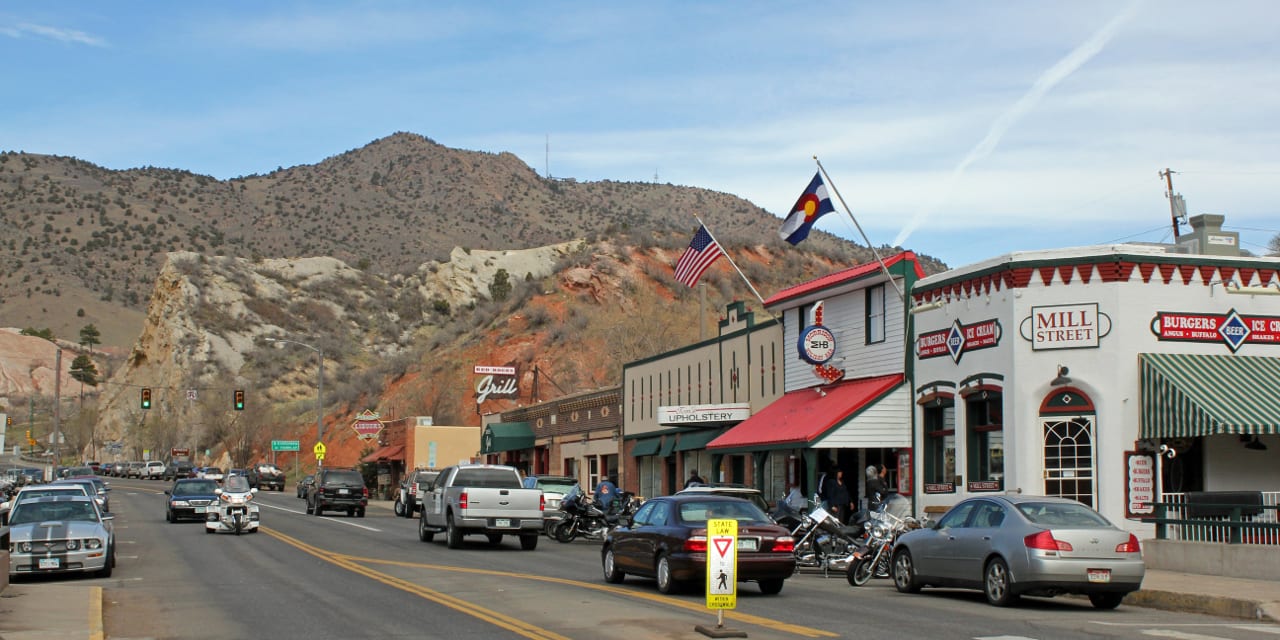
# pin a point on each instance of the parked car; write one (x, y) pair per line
(39, 491)
(58, 534)
(106, 468)
(95, 465)
(553, 489)
(81, 471)
(338, 490)
(94, 486)
(266, 476)
(667, 540)
(152, 470)
(190, 498)
(178, 470)
(211, 473)
(408, 501)
(481, 499)
(1014, 545)
(305, 483)
(135, 469)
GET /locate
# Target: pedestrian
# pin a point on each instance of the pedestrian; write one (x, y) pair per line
(875, 486)
(821, 491)
(694, 479)
(795, 499)
(606, 491)
(838, 496)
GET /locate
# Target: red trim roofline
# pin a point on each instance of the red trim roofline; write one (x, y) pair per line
(843, 276)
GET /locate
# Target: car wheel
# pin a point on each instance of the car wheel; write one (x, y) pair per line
(168, 516)
(1106, 600)
(998, 585)
(425, 534)
(351, 513)
(495, 538)
(316, 510)
(666, 583)
(529, 542)
(110, 564)
(904, 572)
(208, 530)
(452, 534)
(612, 574)
(398, 508)
(771, 587)
(360, 512)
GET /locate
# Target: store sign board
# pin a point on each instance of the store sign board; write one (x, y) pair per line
(1140, 488)
(700, 413)
(1231, 328)
(959, 339)
(1065, 326)
(497, 382)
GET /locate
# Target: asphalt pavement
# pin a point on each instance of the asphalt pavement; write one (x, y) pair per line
(64, 610)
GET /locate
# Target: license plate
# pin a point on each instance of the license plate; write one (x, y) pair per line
(502, 523)
(49, 563)
(1100, 575)
(201, 509)
(747, 544)
(343, 492)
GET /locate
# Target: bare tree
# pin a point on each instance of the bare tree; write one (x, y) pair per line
(1273, 247)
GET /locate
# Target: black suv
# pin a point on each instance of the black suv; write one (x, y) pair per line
(338, 490)
(176, 470)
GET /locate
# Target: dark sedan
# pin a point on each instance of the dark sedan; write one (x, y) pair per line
(667, 540)
(305, 484)
(190, 498)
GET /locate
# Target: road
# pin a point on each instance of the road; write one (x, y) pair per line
(337, 577)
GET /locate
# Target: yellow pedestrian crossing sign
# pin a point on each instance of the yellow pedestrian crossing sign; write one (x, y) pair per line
(722, 564)
(319, 450)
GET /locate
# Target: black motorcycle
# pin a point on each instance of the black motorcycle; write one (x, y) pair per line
(823, 542)
(584, 516)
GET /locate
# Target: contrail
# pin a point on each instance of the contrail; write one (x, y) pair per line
(1047, 81)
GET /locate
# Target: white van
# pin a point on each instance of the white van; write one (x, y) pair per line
(153, 470)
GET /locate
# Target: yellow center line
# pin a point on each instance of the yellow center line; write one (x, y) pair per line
(666, 601)
(510, 623)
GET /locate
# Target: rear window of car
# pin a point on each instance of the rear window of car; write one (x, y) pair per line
(487, 479)
(695, 512)
(347, 476)
(1062, 514)
(201, 487)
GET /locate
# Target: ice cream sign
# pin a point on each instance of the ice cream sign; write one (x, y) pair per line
(959, 339)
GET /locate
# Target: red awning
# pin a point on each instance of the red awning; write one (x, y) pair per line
(802, 416)
(390, 452)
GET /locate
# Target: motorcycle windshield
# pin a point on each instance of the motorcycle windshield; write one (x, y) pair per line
(896, 505)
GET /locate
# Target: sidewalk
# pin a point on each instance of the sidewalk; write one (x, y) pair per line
(50, 612)
(1214, 595)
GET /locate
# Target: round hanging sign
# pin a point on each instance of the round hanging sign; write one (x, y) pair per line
(817, 344)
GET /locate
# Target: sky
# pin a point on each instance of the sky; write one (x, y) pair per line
(962, 130)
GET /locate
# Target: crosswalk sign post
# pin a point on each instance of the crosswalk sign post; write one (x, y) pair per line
(722, 571)
(319, 451)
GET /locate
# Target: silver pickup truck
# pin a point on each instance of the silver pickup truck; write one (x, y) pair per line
(481, 498)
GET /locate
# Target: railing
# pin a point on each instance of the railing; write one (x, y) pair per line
(1190, 517)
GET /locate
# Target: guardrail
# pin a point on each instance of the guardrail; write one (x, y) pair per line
(1248, 521)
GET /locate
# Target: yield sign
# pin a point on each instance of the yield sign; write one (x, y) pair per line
(723, 545)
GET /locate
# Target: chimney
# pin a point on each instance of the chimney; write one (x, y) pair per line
(1208, 238)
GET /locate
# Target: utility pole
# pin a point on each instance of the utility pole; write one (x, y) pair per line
(1167, 174)
(57, 413)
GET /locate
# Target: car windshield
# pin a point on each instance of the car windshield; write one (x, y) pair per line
(197, 488)
(1062, 514)
(28, 512)
(697, 511)
(237, 484)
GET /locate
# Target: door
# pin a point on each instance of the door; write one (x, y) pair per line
(1069, 457)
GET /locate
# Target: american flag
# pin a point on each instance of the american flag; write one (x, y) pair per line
(703, 251)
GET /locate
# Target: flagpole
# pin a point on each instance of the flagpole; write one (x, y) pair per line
(839, 197)
(735, 266)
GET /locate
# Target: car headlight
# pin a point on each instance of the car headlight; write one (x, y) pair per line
(93, 543)
(179, 503)
(72, 545)
(24, 547)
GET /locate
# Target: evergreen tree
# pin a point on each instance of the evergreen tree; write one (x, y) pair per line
(90, 336)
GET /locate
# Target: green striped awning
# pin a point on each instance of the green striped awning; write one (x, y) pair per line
(668, 443)
(646, 446)
(1185, 395)
(695, 440)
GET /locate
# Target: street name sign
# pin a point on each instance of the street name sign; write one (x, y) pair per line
(285, 445)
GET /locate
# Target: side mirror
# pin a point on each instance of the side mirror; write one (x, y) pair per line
(108, 516)
(167, 492)
(253, 490)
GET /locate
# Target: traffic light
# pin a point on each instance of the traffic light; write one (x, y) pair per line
(146, 397)
(239, 400)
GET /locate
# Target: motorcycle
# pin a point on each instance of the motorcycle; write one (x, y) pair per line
(235, 511)
(584, 516)
(884, 525)
(823, 542)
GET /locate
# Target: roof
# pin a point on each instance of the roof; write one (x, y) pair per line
(390, 452)
(842, 277)
(802, 416)
(1198, 395)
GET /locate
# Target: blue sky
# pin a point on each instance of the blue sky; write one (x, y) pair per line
(959, 129)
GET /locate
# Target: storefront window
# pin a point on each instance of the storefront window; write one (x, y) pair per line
(940, 441)
(984, 423)
(875, 314)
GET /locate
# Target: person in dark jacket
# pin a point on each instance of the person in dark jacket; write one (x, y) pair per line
(838, 496)
(694, 479)
(875, 486)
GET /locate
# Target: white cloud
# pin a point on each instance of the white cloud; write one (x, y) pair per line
(52, 33)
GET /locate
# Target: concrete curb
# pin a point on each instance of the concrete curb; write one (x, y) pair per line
(96, 628)
(1208, 604)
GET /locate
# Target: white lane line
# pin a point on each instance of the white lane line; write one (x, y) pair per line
(1260, 628)
(303, 513)
(1002, 638)
(1180, 635)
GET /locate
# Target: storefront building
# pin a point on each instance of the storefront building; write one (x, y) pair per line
(677, 402)
(846, 403)
(1064, 372)
(577, 435)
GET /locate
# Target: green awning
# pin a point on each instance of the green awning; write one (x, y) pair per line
(1185, 395)
(646, 446)
(668, 444)
(694, 440)
(506, 436)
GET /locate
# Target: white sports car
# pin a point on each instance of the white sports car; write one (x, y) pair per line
(60, 534)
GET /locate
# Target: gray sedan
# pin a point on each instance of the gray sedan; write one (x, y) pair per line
(59, 534)
(1014, 545)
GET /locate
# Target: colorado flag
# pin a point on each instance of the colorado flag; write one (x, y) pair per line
(813, 203)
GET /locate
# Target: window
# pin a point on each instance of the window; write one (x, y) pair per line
(956, 517)
(940, 440)
(593, 471)
(875, 314)
(985, 443)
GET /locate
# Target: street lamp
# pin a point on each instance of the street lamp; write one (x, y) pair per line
(319, 388)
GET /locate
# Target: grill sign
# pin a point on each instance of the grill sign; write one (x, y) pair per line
(1231, 328)
(958, 340)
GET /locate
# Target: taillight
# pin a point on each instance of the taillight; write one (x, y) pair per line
(366, 492)
(542, 503)
(413, 489)
(462, 500)
(1046, 542)
(1131, 546)
(785, 544)
(696, 544)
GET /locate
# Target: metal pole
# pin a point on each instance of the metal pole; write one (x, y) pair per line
(57, 411)
(320, 405)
